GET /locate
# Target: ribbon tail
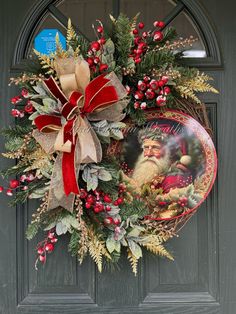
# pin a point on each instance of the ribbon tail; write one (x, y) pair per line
(57, 195)
(90, 149)
(69, 172)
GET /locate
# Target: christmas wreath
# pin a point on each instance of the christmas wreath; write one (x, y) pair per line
(113, 140)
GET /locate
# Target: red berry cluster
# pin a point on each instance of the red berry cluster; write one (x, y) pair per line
(16, 113)
(96, 50)
(150, 90)
(141, 39)
(18, 184)
(46, 246)
(100, 203)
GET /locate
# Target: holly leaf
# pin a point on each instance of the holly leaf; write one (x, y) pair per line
(104, 175)
(135, 232)
(135, 249)
(61, 228)
(110, 244)
(70, 221)
(39, 89)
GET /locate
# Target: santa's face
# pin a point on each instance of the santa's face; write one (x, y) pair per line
(153, 148)
(153, 162)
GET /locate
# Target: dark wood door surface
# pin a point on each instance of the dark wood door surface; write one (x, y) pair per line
(203, 277)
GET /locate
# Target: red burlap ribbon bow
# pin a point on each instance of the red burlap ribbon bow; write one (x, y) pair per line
(70, 131)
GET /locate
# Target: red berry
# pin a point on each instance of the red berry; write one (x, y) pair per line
(90, 61)
(141, 85)
(128, 89)
(102, 41)
(162, 203)
(158, 36)
(90, 199)
(95, 46)
(150, 94)
(141, 25)
(54, 240)
(49, 247)
(146, 79)
(161, 24)
(23, 178)
(136, 105)
(108, 208)
(108, 221)
(42, 258)
(51, 235)
(154, 84)
(161, 101)
(156, 23)
(116, 221)
(143, 105)
(96, 60)
(9, 192)
(135, 31)
(88, 205)
(40, 250)
(137, 60)
(137, 40)
(97, 209)
(161, 83)
(15, 113)
(167, 90)
(138, 53)
(14, 184)
(144, 34)
(139, 95)
(142, 45)
(15, 100)
(30, 177)
(29, 108)
(100, 29)
(103, 67)
(120, 200)
(107, 199)
(165, 79)
(83, 194)
(24, 92)
(1, 189)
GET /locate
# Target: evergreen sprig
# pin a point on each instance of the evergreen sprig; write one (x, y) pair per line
(73, 246)
(136, 207)
(123, 39)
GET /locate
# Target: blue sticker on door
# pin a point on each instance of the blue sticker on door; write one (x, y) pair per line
(45, 41)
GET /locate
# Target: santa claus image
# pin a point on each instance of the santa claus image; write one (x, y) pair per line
(164, 162)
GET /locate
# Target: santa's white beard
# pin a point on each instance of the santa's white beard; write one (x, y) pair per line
(146, 168)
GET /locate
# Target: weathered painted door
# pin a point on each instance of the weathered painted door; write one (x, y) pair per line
(203, 277)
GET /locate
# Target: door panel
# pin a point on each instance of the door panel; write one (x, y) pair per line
(202, 278)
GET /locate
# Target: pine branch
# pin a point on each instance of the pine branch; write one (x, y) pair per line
(73, 246)
(16, 131)
(154, 59)
(32, 230)
(15, 170)
(123, 39)
(136, 207)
